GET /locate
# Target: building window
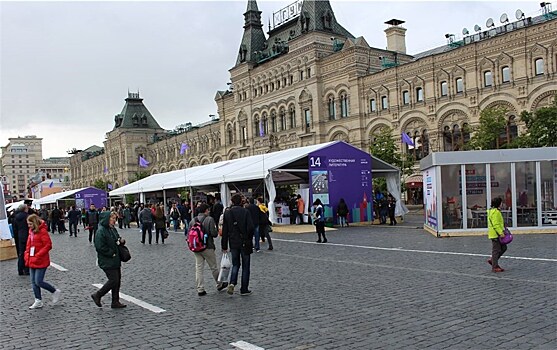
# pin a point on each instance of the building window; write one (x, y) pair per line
(282, 115)
(332, 108)
(307, 118)
(308, 72)
(505, 74)
(230, 135)
(372, 105)
(454, 138)
(257, 126)
(384, 103)
(278, 84)
(301, 75)
(273, 121)
(244, 135)
(291, 79)
(459, 85)
(444, 88)
(488, 78)
(344, 105)
(292, 117)
(539, 66)
(419, 94)
(405, 97)
(265, 124)
(266, 88)
(254, 92)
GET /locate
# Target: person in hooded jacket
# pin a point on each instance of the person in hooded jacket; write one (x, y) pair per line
(319, 220)
(21, 232)
(37, 258)
(107, 240)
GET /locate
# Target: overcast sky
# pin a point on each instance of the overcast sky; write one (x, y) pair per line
(66, 67)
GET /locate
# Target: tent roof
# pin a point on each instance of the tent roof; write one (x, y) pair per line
(52, 198)
(229, 171)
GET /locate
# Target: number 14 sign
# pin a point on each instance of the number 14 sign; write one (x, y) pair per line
(317, 162)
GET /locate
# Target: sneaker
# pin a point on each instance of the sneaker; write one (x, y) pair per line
(56, 296)
(37, 304)
(489, 261)
(222, 286)
(202, 293)
(230, 289)
(246, 293)
(497, 269)
(97, 299)
(118, 305)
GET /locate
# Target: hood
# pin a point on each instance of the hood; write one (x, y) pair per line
(104, 218)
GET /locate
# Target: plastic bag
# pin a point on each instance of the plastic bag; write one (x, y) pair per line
(225, 268)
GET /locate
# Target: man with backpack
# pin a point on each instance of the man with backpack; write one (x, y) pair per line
(201, 242)
(237, 231)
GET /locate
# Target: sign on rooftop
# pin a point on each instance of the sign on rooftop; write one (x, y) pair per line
(286, 14)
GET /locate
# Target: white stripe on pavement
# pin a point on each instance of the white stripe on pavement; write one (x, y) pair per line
(240, 344)
(413, 250)
(58, 267)
(136, 301)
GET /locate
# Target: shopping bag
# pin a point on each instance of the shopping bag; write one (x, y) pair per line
(225, 268)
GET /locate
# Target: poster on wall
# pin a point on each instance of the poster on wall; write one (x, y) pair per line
(430, 199)
(342, 171)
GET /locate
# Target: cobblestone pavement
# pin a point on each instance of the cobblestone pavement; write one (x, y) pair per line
(378, 287)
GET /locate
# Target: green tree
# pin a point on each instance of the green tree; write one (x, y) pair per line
(139, 175)
(493, 123)
(542, 127)
(100, 184)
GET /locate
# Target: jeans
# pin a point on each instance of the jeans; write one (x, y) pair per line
(256, 237)
(113, 284)
(320, 229)
(92, 229)
(146, 226)
(73, 225)
(236, 254)
(54, 225)
(264, 232)
(342, 221)
(37, 282)
(176, 224)
(200, 258)
(300, 216)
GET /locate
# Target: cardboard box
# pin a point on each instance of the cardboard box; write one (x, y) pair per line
(7, 250)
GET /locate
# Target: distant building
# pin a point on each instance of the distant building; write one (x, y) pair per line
(308, 80)
(22, 167)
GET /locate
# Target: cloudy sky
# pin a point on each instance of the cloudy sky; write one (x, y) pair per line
(66, 67)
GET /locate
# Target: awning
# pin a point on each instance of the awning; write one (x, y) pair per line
(414, 181)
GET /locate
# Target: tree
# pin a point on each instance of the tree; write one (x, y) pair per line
(100, 184)
(493, 123)
(139, 175)
(542, 127)
(384, 147)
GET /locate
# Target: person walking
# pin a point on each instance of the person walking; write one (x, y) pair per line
(54, 219)
(92, 220)
(300, 206)
(342, 213)
(37, 258)
(107, 240)
(146, 222)
(319, 220)
(160, 224)
(21, 233)
(209, 228)
(83, 218)
(264, 223)
(391, 206)
(127, 216)
(73, 218)
(237, 234)
(496, 229)
(255, 214)
(217, 209)
(121, 216)
(175, 217)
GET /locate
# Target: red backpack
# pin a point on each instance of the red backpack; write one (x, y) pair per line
(197, 240)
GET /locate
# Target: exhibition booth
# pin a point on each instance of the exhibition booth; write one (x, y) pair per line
(81, 198)
(457, 193)
(328, 171)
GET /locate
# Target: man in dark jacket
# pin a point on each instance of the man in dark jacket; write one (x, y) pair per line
(146, 222)
(92, 221)
(21, 232)
(255, 214)
(55, 216)
(237, 231)
(108, 257)
(210, 229)
(216, 210)
(73, 217)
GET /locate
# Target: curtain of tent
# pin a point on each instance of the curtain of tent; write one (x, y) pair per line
(271, 190)
(225, 194)
(393, 186)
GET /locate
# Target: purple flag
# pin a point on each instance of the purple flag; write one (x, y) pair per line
(109, 186)
(407, 140)
(125, 182)
(261, 130)
(143, 162)
(51, 184)
(183, 148)
(105, 170)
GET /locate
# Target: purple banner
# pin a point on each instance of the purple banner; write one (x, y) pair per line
(88, 196)
(342, 171)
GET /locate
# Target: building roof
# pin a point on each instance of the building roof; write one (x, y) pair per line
(135, 115)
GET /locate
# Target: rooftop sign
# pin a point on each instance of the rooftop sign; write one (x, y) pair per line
(286, 14)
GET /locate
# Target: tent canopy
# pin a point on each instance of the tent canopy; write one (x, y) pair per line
(53, 198)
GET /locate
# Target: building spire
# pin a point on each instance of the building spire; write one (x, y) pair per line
(253, 39)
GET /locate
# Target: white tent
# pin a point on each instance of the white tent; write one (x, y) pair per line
(287, 166)
(52, 198)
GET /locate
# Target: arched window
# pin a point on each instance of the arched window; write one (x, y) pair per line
(459, 85)
(344, 105)
(419, 94)
(509, 134)
(282, 115)
(265, 124)
(444, 88)
(292, 116)
(257, 127)
(372, 105)
(273, 121)
(539, 68)
(488, 79)
(405, 97)
(332, 108)
(505, 74)
(230, 134)
(456, 137)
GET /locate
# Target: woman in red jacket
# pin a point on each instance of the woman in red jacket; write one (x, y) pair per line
(37, 259)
